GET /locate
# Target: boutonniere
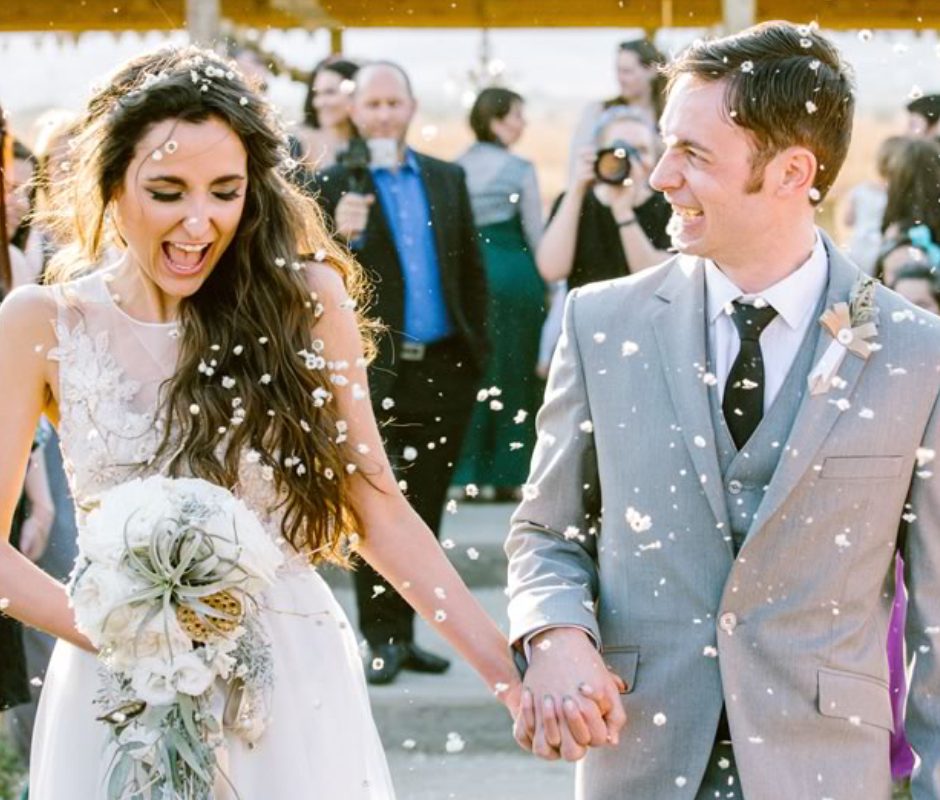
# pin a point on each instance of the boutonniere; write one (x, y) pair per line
(850, 325)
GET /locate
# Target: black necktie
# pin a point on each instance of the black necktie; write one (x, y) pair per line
(743, 403)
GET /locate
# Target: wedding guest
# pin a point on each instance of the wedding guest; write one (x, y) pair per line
(55, 130)
(923, 114)
(919, 282)
(181, 360)
(609, 221)
(864, 209)
(32, 515)
(407, 218)
(641, 85)
(911, 218)
(507, 212)
(327, 127)
(52, 153)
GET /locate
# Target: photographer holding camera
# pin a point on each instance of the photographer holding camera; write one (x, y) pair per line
(609, 222)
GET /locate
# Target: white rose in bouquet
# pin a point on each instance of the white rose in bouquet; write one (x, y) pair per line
(124, 515)
(161, 637)
(99, 597)
(157, 681)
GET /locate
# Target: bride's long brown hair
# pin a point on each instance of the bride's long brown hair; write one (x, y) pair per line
(6, 160)
(253, 316)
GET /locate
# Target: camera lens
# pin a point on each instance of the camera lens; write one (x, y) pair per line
(612, 164)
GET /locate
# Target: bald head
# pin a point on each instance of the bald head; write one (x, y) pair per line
(387, 68)
(383, 104)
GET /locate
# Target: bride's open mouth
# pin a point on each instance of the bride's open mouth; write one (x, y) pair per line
(184, 258)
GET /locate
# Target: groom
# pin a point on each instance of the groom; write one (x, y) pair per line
(701, 522)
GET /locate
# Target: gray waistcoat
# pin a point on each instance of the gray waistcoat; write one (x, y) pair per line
(746, 474)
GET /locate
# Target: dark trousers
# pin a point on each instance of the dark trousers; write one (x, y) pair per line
(423, 431)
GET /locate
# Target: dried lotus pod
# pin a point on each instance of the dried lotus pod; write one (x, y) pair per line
(201, 628)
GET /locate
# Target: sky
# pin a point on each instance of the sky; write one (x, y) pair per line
(552, 68)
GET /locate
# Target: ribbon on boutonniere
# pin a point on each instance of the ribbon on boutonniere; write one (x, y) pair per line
(850, 325)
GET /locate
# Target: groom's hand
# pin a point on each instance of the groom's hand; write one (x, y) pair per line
(571, 701)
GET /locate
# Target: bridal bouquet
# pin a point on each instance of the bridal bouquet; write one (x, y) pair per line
(166, 586)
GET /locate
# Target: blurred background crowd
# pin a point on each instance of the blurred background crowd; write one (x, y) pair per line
(529, 233)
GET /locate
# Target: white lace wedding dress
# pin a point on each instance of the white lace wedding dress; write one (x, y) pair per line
(321, 741)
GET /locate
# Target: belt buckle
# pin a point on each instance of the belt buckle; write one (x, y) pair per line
(412, 351)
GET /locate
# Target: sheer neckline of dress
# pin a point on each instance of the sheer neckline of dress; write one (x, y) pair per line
(105, 278)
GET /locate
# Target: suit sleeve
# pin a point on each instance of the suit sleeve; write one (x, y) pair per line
(922, 577)
(552, 544)
(472, 274)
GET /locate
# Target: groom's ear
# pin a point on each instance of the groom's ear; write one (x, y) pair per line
(795, 172)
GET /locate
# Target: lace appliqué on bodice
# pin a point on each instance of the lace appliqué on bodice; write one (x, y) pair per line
(103, 439)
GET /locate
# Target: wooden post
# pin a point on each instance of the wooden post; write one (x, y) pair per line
(738, 14)
(203, 21)
(336, 41)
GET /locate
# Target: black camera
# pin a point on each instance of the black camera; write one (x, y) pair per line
(613, 163)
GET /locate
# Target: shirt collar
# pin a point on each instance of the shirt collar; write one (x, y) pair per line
(410, 163)
(794, 297)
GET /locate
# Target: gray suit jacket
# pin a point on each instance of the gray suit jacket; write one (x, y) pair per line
(790, 635)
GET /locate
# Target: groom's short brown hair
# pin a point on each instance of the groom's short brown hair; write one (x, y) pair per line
(787, 85)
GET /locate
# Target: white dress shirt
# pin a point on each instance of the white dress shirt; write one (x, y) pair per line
(795, 300)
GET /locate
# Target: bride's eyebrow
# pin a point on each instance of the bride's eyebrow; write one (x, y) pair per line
(177, 181)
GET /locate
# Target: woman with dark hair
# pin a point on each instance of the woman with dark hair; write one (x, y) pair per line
(642, 86)
(327, 129)
(507, 211)
(911, 218)
(225, 344)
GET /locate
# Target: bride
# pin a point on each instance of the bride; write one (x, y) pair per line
(221, 342)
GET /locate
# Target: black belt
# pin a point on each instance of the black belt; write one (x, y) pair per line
(419, 351)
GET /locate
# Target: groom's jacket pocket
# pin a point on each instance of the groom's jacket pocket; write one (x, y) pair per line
(857, 698)
(862, 467)
(624, 660)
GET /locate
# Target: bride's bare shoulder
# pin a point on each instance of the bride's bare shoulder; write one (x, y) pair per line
(28, 309)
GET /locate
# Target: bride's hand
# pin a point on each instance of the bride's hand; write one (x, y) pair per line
(512, 697)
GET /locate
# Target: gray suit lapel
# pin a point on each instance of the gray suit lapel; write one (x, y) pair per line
(817, 413)
(680, 332)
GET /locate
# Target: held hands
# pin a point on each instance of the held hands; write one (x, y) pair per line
(352, 214)
(570, 699)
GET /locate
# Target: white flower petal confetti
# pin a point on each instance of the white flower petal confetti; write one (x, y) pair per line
(638, 521)
(455, 743)
(659, 719)
(924, 456)
(629, 348)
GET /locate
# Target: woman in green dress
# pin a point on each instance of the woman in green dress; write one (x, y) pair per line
(508, 215)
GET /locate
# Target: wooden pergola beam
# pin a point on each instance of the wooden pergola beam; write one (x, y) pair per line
(85, 15)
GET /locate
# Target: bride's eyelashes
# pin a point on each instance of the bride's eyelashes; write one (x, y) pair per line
(171, 197)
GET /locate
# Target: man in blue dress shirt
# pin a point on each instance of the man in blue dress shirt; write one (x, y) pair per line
(407, 218)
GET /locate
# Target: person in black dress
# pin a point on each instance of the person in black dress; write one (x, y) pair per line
(600, 230)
